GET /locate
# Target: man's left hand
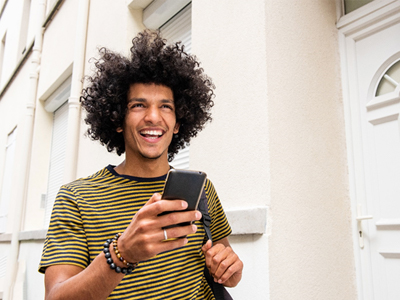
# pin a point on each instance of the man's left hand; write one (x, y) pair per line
(222, 263)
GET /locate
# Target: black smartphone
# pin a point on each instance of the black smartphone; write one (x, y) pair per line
(184, 185)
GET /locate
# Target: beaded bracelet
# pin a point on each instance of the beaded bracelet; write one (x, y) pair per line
(117, 253)
(110, 261)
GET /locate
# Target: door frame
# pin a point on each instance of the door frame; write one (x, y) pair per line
(352, 27)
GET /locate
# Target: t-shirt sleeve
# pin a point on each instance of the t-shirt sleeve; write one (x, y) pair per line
(65, 242)
(219, 227)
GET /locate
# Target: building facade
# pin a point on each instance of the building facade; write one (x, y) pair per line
(303, 148)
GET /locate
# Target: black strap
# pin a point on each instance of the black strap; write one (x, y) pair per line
(206, 219)
(219, 291)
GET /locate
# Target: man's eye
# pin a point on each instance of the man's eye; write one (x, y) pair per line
(167, 106)
(137, 105)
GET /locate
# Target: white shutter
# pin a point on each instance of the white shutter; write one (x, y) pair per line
(3, 264)
(179, 28)
(7, 180)
(57, 158)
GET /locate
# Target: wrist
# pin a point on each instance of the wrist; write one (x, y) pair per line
(117, 251)
(114, 258)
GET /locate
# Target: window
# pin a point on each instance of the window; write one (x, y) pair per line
(179, 28)
(351, 5)
(390, 80)
(25, 27)
(3, 265)
(7, 180)
(57, 158)
(57, 104)
(2, 51)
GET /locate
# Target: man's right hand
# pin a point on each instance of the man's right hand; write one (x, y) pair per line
(144, 237)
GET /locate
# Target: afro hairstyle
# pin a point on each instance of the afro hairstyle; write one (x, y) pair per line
(152, 61)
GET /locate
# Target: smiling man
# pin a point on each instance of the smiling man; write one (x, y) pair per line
(106, 238)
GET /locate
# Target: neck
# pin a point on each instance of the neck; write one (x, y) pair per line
(146, 168)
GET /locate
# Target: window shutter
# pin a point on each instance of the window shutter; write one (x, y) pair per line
(57, 158)
(179, 28)
(7, 180)
(3, 265)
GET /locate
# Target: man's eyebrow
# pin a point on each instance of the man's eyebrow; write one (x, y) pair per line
(143, 100)
(171, 101)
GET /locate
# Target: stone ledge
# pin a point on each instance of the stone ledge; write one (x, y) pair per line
(32, 235)
(249, 220)
(5, 237)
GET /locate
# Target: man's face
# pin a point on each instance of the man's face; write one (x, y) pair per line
(150, 121)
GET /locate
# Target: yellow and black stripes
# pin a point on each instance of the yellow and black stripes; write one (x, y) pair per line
(88, 211)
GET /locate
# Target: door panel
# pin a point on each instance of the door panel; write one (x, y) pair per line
(370, 48)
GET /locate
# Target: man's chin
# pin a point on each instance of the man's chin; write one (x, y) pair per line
(152, 157)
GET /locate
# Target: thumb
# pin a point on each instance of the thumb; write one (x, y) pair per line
(206, 246)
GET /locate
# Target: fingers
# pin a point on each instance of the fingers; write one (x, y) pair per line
(224, 265)
(156, 197)
(156, 206)
(178, 232)
(206, 247)
(175, 218)
(144, 237)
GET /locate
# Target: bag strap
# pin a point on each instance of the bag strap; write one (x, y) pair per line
(219, 290)
(205, 218)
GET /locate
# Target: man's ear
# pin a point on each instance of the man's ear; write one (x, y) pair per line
(119, 129)
(176, 128)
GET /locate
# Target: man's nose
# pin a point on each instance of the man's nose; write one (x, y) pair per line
(152, 115)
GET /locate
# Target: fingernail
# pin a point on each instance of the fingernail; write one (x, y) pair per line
(198, 215)
(184, 204)
(194, 228)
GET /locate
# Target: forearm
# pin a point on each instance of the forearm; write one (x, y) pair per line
(96, 282)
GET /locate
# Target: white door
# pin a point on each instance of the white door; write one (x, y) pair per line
(370, 44)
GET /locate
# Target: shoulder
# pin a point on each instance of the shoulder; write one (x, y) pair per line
(102, 175)
(210, 189)
(72, 190)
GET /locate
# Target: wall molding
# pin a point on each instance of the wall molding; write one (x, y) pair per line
(243, 221)
(249, 220)
(32, 235)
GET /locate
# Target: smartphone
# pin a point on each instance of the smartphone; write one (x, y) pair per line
(184, 185)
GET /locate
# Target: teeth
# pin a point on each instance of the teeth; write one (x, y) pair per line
(152, 132)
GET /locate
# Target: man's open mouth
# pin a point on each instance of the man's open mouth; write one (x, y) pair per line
(152, 134)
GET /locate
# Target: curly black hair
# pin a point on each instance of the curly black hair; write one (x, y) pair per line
(151, 61)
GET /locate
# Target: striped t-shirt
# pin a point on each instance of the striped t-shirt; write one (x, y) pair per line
(91, 210)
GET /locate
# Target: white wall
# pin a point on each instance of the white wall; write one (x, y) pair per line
(58, 49)
(310, 245)
(12, 111)
(277, 140)
(229, 40)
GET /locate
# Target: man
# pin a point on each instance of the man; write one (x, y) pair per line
(148, 106)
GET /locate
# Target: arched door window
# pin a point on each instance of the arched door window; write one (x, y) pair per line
(390, 81)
